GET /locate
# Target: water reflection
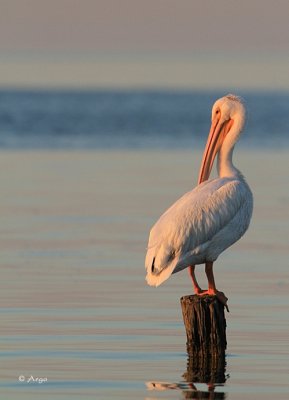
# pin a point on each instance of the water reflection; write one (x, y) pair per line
(206, 368)
(201, 369)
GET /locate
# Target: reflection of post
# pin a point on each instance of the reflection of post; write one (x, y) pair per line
(201, 368)
(208, 369)
(205, 324)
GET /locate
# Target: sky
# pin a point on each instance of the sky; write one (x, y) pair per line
(152, 43)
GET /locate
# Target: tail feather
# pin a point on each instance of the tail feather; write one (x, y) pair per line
(156, 276)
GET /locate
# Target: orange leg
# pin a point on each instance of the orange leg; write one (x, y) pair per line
(197, 288)
(211, 280)
(212, 290)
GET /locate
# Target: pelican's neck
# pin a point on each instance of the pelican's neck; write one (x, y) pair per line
(225, 156)
(225, 163)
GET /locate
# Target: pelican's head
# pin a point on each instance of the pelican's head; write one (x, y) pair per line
(228, 118)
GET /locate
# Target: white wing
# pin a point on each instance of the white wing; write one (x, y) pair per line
(187, 233)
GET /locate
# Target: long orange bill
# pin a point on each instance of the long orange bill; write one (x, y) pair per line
(216, 137)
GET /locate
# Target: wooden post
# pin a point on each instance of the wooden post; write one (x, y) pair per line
(205, 324)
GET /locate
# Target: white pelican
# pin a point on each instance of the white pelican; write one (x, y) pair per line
(211, 217)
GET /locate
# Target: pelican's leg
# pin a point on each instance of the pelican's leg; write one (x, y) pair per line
(197, 288)
(212, 290)
(211, 280)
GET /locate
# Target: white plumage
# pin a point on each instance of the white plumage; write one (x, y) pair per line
(198, 227)
(214, 215)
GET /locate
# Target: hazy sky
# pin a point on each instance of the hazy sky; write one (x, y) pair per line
(144, 42)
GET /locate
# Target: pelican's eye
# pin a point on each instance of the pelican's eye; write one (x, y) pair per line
(217, 111)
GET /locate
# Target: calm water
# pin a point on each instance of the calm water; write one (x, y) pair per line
(130, 119)
(75, 309)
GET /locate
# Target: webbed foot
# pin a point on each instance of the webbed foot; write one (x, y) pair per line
(220, 296)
